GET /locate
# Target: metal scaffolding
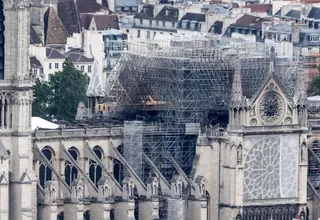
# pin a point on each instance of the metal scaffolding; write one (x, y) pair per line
(175, 87)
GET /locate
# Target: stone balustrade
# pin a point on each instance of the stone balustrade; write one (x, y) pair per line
(265, 128)
(78, 133)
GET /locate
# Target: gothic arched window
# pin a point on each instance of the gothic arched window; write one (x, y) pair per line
(86, 215)
(2, 41)
(112, 214)
(60, 216)
(45, 173)
(118, 171)
(95, 170)
(70, 171)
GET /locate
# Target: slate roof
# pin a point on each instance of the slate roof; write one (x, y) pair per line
(217, 9)
(127, 2)
(54, 31)
(106, 22)
(34, 38)
(304, 37)
(90, 6)
(172, 15)
(194, 17)
(146, 12)
(78, 58)
(250, 21)
(314, 13)
(260, 7)
(69, 15)
(34, 62)
(293, 14)
(217, 27)
(52, 53)
(3, 151)
(86, 20)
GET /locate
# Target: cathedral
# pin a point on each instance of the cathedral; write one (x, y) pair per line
(256, 168)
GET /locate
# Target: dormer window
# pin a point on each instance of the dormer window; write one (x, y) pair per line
(167, 12)
(184, 24)
(192, 25)
(314, 38)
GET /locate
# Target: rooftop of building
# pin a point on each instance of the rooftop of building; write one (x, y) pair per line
(105, 21)
(314, 13)
(250, 21)
(194, 17)
(54, 31)
(34, 62)
(77, 57)
(52, 53)
(260, 8)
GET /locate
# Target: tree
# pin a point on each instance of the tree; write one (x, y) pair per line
(60, 97)
(314, 87)
(41, 95)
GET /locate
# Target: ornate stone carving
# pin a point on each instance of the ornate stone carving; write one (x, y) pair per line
(51, 191)
(77, 190)
(288, 121)
(152, 186)
(270, 169)
(104, 189)
(239, 154)
(304, 153)
(271, 108)
(253, 122)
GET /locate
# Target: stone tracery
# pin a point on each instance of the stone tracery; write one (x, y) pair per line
(269, 170)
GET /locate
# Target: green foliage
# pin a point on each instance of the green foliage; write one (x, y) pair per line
(314, 87)
(60, 97)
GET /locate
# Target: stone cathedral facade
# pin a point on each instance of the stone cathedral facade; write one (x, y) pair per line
(255, 169)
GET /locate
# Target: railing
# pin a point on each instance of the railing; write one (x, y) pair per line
(266, 128)
(91, 132)
(10, 82)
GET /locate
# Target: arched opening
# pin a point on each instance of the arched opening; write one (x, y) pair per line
(70, 171)
(95, 170)
(5, 110)
(60, 216)
(86, 215)
(136, 210)
(45, 173)
(118, 171)
(112, 214)
(120, 149)
(2, 41)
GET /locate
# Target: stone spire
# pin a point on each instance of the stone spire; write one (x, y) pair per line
(300, 96)
(272, 59)
(236, 90)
